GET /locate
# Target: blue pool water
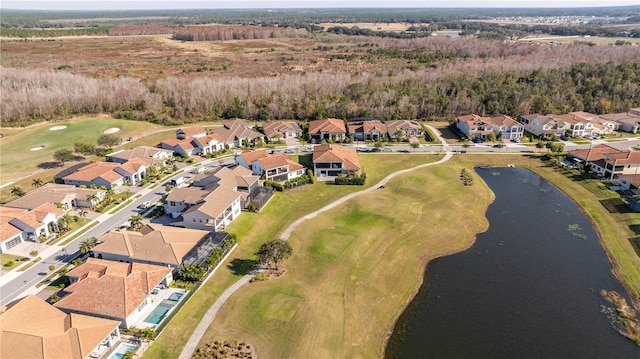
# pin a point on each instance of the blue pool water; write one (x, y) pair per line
(160, 312)
(175, 296)
(122, 349)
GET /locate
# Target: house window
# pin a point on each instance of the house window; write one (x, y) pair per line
(200, 220)
(194, 219)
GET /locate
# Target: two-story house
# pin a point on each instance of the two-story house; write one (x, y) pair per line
(151, 155)
(18, 224)
(330, 161)
(367, 130)
(276, 167)
(238, 133)
(478, 127)
(278, 130)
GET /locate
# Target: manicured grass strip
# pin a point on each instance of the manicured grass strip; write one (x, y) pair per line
(22, 269)
(13, 260)
(76, 235)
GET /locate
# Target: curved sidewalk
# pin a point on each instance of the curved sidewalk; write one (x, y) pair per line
(207, 319)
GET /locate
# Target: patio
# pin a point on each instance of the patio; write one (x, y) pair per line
(159, 298)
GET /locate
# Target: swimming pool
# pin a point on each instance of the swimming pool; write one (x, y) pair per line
(175, 296)
(122, 349)
(160, 312)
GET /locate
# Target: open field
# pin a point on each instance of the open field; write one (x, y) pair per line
(598, 40)
(354, 269)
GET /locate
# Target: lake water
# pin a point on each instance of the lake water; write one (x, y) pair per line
(528, 288)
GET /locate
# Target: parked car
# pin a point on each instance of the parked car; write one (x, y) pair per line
(404, 151)
(386, 149)
(146, 204)
(308, 149)
(289, 150)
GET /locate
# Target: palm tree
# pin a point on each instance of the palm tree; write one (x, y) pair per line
(17, 191)
(135, 222)
(88, 244)
(92, 198)
(83, 213)
(37, 182)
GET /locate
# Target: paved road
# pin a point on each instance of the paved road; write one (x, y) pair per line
(15, 284)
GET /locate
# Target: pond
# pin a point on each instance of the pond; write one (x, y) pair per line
(528, 287)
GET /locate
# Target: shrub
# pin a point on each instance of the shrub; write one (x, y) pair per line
(52, 267)
(33, 253)
(342, 180)
(9, 264)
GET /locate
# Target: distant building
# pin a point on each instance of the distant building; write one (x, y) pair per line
(330, 129)
(330, 161)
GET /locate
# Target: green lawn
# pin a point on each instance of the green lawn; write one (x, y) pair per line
(355, 268)
(15, 261)
(15, 145)
(253, 229)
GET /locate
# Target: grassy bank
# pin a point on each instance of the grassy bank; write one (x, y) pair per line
(356, 267)
(253, 229)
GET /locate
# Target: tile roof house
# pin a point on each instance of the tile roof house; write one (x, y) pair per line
(215, 212)
(194, 145)
(627, 121)
(193, 131)
(278, 130)
(18, 225)
(68, 196)
(108, 174)
(329, 161)
(276, 167)
(157, 244)
(327, 129)
(152, 155)
(629, 182)
(403, 129)
(33, 328)
(238, 178)
(179, 199)
(363, 130)
(608, 161)
(543, 126)
(578, 126)
(479, 127)
(113, 290)
(237, 133)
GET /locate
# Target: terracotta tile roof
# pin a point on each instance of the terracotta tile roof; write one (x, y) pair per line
(238, 176)
(633, 179)
(394, 126)
(184, 144)
(51, 193)
(594, 153)
(329, 125)
(250, 156)
(154, 243)
(8, 230)
(35, 217)
(216, 202)
(32, 328)
(337, 153)
(279, 127)
(279, 160)
(92, 171)
(623, 117)
(585, 115)
(109, 288)
(497, 120)
(236, 122)
(367, 126)
(191, 131)
(569, 118)
(143, 152)
(236, 132)
(503, 120)
(134, 165)
(623, 157)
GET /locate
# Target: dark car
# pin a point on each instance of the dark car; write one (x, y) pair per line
(404, 151)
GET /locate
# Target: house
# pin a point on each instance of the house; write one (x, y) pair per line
(544, 126)
(329, 161)
(215, 212)
(108, 174)
(601, 126)
(33, 328)
(189, 132)
(367, 130)
(279, 130)
(403, 129)
(630, 182)
(159, 245)
(275, 167)
(594, 157)
(112, 290)
(330, 129)
(18, 225)
(179, 199)
(151, 155)
(237, 133)
(627, 121)
(67, 196)
(620, 163)
(478, 128)
(194, 145)
(238, 178)
(578, 126)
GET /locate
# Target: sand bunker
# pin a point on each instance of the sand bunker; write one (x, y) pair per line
(111, 130)
(57, 128)
(37, 148)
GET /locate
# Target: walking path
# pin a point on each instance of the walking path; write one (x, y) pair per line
(205, 322)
